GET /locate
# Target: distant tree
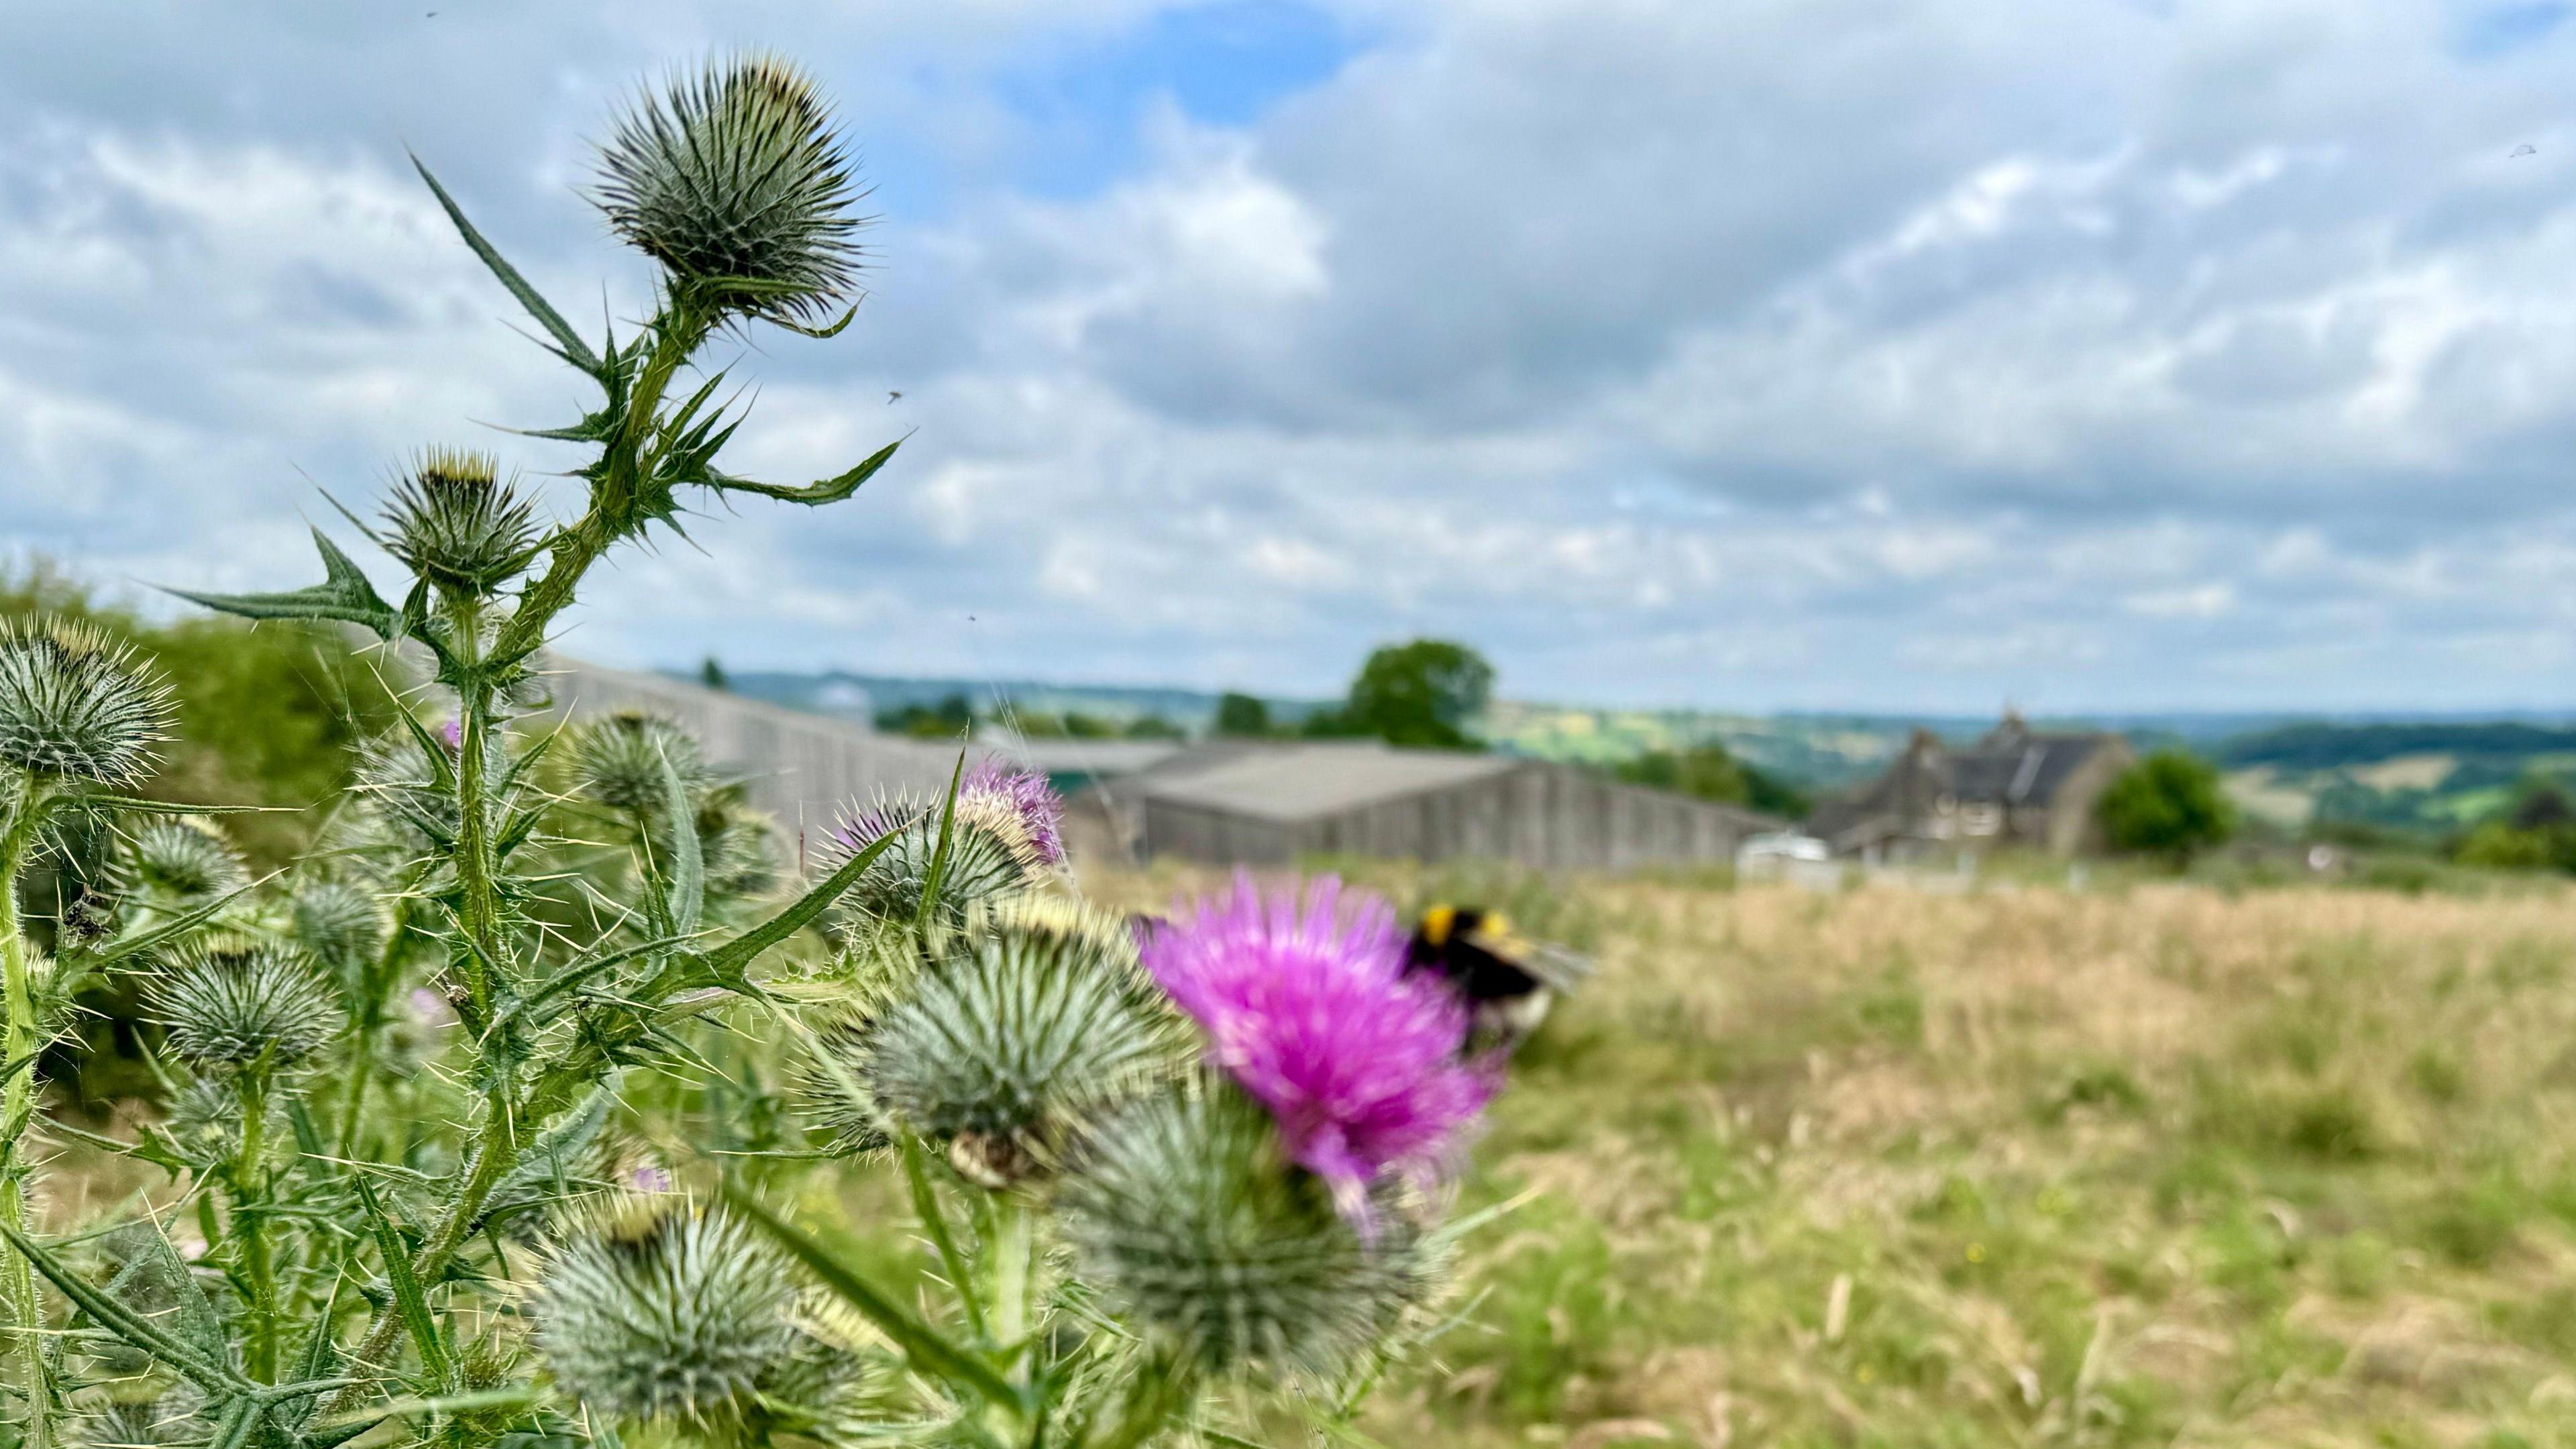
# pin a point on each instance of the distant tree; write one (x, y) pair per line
(2503, 845)
(1422, 694)
(2544, 806)
(712, 675)
(1083, 726)
(948, 719)
(1155, 727)
(2170, 804)
(1241, 714)
(1710, 771)
(1331, 722)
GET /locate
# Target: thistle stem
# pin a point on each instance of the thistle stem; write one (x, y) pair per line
(1012, 1263)
(18, 1039)
(250, 1211)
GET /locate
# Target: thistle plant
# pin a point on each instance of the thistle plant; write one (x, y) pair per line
(517, 1110)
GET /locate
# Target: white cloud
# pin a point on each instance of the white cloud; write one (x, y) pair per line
(1822, 353)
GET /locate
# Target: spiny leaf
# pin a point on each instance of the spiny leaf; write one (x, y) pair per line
(568, 343)
(142, 941)
(216, 1379)
(344, 594)
(938, 876)
(829, 490)
(688, 893)
(726, 962)
(408, 1298)
(924, 1345)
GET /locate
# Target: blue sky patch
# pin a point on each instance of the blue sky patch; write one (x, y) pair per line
(2499, 30)
(1222, 64)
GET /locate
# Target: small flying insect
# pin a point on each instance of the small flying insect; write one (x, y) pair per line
(1508, 982)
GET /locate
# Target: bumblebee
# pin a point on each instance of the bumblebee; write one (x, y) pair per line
(1508, 982)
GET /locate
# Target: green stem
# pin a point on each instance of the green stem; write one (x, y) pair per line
(1011, 1258)
(250, 1212)
(616, 487)
(375, 983)
(476, 866)
(1010, 1285)
(616, 491)
(19, 1038)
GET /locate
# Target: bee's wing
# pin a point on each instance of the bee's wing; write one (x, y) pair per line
(1562, 970)
(1552, 967)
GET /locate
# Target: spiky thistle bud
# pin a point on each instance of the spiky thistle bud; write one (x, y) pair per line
(455, 523)
(1034, 1016)
(618, 760)
(666, 1312)
(230, 1004)
(990, 856)
(1197, 1227)
(740, 846)
(1039, 808)
(183, 860)
(204, 1118)
(339, 925)
(733, 180)
(76, 704)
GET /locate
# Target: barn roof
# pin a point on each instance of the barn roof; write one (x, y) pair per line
(1302, 781)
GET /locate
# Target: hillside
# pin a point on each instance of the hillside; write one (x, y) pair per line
(2432, 775)
(2427, 775)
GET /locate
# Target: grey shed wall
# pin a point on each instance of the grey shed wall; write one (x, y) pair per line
(1536, 813)
(804, 769)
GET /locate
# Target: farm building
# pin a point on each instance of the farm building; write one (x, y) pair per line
(2015, 786)
(804, 769)
(1264, 804)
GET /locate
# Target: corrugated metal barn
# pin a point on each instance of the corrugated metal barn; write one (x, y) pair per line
(1270, 804)
(805, 769)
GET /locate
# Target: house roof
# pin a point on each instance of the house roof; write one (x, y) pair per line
(1302, 781)
(1083, 757)
(2023, 769)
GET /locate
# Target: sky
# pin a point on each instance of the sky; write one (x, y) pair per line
(1904, 355)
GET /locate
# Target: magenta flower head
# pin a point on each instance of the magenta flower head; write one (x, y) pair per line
(1039, 808)
(1308, 1007)
(454, 733)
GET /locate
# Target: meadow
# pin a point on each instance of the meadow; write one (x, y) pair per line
(2150, 1164)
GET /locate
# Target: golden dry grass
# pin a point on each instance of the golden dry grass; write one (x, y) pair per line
(2152, 1165)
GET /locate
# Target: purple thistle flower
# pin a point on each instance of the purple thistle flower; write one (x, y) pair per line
(454, 733)
(1039, 807)
(1309, 1008)
(648, 1178)
(433, 1009)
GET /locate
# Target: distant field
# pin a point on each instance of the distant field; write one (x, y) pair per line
(2145, 1166)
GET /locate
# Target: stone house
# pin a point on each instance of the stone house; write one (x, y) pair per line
(2016, 786)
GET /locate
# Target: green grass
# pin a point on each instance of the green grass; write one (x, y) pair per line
(2152, 1164)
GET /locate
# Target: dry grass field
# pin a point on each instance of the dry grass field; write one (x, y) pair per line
(2154, 1164)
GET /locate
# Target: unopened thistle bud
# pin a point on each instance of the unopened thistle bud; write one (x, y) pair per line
(1034, 1016)
(340, 925)
(77, 705)
(230, 1005)
(455, 523)
(733, 181)
(183, 860)
(990, 856)
(1184, 1209)
(619, 760)
(666, 1312)
(205, 1118)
